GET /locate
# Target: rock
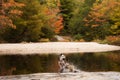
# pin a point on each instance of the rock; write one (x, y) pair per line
(66, 76)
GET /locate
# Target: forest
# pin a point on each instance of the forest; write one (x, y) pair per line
(82, 20)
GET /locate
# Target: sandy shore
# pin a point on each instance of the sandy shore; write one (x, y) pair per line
(55, 47)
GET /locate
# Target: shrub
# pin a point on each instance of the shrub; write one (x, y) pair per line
(77, 37)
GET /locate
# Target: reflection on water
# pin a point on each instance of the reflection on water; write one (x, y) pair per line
(104, 61)
(24, 64)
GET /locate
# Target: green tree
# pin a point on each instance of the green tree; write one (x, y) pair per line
(114, 19)
(28, 27)
(76, 23)
(67, 7)
(100, 19)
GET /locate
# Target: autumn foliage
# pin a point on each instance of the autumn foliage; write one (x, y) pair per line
(99, 13)
(55, 19)
(58, 24)
(8, 11)
(36, 19)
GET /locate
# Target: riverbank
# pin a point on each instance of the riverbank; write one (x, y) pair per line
(55, 47)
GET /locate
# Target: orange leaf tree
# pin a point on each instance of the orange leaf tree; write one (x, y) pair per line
(8, 11)
(55, 19)
(99, 16)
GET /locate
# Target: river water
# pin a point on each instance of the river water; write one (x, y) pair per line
(93, 62)
(91, 66)
(45, 63)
